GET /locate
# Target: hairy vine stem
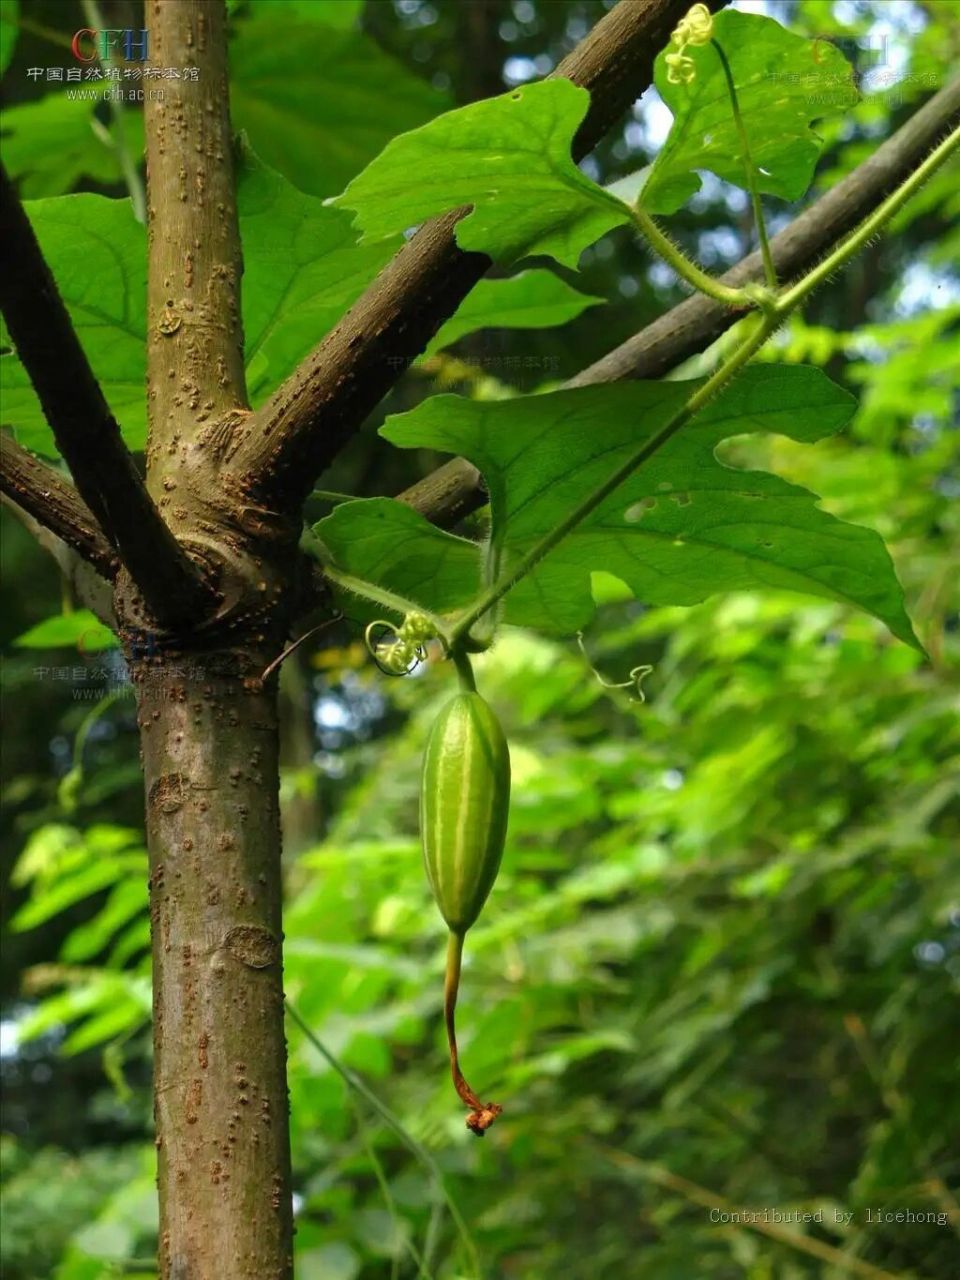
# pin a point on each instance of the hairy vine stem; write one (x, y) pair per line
(871, 225)
(464, 667)
(685, 267)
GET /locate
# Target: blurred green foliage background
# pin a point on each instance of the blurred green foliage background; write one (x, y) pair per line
(720, 968)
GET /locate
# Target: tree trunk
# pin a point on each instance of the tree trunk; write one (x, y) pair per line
(208, 725)
(210, 749)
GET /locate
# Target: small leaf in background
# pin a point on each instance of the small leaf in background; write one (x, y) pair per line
(302, 270)
(97, 252)
(80, 629)
(319, 103)
(49, 848)
(783, 83)
(9, 13)
(530, 300)
(80, 881)
(52, 144)
(334, 1261)
(507, 156)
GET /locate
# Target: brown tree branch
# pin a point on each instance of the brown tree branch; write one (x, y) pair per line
(54, 502)
(447, 494)
(312, 415)
(695, 323)
(85, 430)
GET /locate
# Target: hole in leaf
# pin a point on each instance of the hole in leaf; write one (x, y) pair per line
(638, 510)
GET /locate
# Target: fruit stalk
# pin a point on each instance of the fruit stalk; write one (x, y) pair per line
(482, 1114)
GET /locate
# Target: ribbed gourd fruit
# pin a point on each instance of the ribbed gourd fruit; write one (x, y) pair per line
(464, 798)
(464, 802)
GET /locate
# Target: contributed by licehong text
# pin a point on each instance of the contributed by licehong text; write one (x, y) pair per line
(832, 1216)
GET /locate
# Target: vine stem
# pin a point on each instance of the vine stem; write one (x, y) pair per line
(770, 270)
(333, 496)
(871, 226)
(688, 270)
(764, 327)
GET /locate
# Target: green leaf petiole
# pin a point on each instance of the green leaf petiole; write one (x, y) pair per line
(750, 170)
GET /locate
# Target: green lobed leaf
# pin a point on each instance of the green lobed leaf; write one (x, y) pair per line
(319, 103)
(784, 83)
(507, 156)
(534, 299)
(302, 270)
(682, 528)
(409, 551)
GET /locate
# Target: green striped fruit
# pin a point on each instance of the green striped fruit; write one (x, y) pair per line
(464, 799)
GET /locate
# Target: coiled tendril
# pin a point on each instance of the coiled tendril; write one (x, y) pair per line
(398, 651)
(695, 28)
(633, 682)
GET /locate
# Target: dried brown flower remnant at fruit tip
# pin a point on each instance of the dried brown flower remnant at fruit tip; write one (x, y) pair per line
(479, 1122)
(482, 1114)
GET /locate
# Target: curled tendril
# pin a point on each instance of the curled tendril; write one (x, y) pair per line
(694, 28)
(681, 69)
(399, 650)
(634, 681)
